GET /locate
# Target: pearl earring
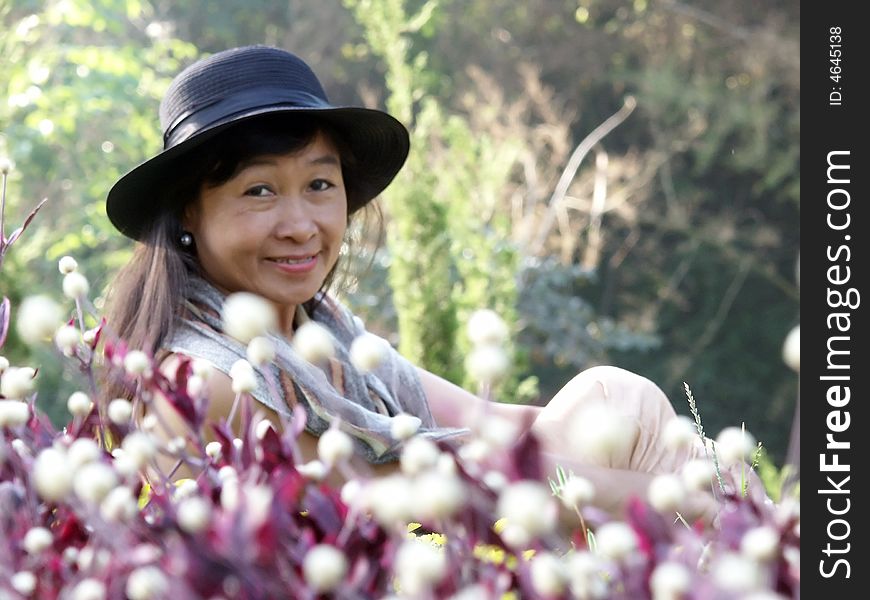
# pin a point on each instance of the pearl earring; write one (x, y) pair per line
(186, 239)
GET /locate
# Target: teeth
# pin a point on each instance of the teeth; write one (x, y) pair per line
(292, 261)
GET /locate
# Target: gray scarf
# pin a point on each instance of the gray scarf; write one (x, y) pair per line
(364, 402)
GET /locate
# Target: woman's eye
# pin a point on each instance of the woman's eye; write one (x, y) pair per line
(259, 191)
(320, 185)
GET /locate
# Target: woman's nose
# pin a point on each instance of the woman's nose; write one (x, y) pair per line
(295, 220)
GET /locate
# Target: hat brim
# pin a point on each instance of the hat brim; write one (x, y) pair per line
(378, 141)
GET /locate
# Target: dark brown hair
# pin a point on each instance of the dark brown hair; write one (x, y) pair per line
(147, 293)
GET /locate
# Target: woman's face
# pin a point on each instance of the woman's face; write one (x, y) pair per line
(275, 228)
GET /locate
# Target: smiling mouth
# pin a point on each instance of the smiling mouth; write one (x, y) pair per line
(292, 261)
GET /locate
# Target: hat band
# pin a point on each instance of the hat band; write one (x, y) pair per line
(259, 100)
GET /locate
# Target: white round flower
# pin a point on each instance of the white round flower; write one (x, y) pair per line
(419, 566)
(499, 432)
(81, 452)
(6, 165)
(124, 465)
(243, 376)
(246, 316)
(227, 473)
(17, 382)
(52, 475)
(351, 491)
(487, 327)
(119, 505)
(146, 583)
(67, 264)
(313, 342)
(4, 364)
(760, 543)
(390, 499)
(36, 540)
(529, 505)
(735, 573)
(186, 489)
(487, 364)
(194, 514)
(475, 451)
(666, 493)
(314, 470)
(137, 362)
(139, 447)
(214, 450)
(587, 576)
(195, 386)
(258, 504)
(615, 540)
(438, 496)
(577, 491)
(791, 349)
(75, 285)
(120, 411)
(24, 582)
(89, 589)
(38, 318)
(79, 404)
(93, 481)
(404, 426)
(13, 413)
(238, 444)
(679, 433)
(418, 455)
(89, 337)
(261, 351)
(201, 368)
(698, 474)
(670, 581)
(324, 568)
(176, 445)
(334, 446)
(262, 428)
(66, 338)
(367, 352)
(495, 480)
(603, 435)
(734, 445)
(548, 574)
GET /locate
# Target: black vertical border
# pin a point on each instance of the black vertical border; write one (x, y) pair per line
(826, 128)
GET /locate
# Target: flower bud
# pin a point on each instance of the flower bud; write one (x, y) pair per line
(147, 583)
(314, 470)
(734, 445)
(214, 450)
(120, 411)
(24, 582)
(679, 433)
(529, 505)
(791, 349)
(94, 481)
(79, 405)
(418, 455)
(17, 382)
(136, 363)
(246, 316)
(243, 376)
(666, 493)
(313, 342)
(139, 447)
(404, 426)
(38, 318)
(419, 567)
(75, 285)
(6, 165)
(89, 589)
(67, 264)
(548, 574)
(66, 339)
(334, 446)
(670, 581)
(52, 475)
(4, 364)
(367, 352)
(615, 540)
(36, 540)
(438, 496)
(577, 492)
(697, 474)
(81, 452)
(261, 351)
(487, 364)
(119, 505)
(486, 327)
(194, 514)
(13, 413)
(324, 568)
(760, 543)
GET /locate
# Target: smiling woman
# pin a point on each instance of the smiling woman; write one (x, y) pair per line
(253, 193)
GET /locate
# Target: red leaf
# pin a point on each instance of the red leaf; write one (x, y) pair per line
(17, 233)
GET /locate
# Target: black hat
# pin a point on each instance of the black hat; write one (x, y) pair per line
(235, 85)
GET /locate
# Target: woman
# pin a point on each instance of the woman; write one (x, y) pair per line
(253, 192)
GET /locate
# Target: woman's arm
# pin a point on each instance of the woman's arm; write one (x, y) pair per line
(453, 406)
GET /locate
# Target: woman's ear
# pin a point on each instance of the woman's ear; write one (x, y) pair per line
(190, 216)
